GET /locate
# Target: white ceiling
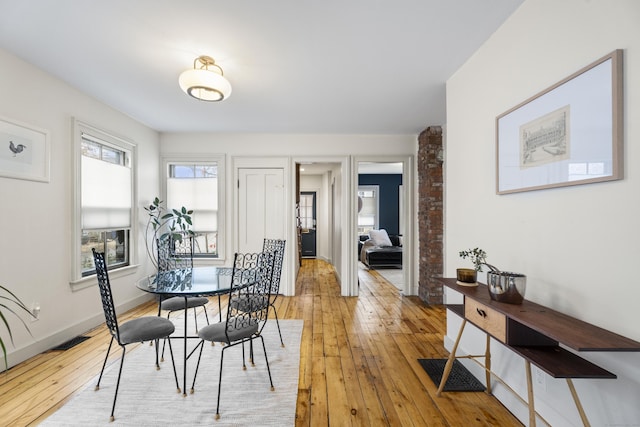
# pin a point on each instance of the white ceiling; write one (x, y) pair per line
(296, 66)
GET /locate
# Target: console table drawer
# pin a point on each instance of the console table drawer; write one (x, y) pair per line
(486, 318)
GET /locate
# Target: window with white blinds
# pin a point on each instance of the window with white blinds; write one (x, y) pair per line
(106, 185)
(106, 191)
(196, 186)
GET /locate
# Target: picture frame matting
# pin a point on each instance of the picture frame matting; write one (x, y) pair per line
(24, 151)
(568, 134)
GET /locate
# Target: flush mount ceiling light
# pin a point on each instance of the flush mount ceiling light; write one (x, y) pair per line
(206, 81)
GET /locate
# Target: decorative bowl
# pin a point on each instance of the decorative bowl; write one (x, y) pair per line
(505, 286)
(467, 276)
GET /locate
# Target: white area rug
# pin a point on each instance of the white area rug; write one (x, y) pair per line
(148, 397)
(392, 275)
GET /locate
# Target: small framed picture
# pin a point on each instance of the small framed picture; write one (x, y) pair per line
(24, 151)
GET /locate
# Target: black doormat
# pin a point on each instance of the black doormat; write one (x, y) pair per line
(460, 379)
(71, 343)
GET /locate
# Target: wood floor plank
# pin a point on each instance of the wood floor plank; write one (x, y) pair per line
(319, 413)
(355, 402)
(358, 361)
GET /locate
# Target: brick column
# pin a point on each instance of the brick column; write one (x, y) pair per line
(430, 215)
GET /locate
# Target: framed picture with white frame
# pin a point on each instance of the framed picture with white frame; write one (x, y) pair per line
(24, 151)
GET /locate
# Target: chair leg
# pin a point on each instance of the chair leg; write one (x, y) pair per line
(220, 382)
(206, 316)
(275, 312)
(115, 396)
(195, 318)
(173, 362)
(104, 364)
(219, 315)
(159, 312)
(264, 348)
(195, 374)
(164, 341)
(157, 341)
(244, 366)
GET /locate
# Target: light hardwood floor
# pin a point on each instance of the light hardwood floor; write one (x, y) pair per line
(358, 362)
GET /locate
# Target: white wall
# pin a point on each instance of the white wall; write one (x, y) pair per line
(35, 217)
(577, 245)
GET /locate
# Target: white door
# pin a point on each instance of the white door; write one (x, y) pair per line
(261, 207)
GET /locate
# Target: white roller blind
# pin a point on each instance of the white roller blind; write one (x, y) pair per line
(199, 194)
(369, 211)
(106, 194)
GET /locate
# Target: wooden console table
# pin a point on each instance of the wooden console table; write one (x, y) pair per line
(535, 332)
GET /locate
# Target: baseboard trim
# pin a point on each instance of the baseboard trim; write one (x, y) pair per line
(46, 343)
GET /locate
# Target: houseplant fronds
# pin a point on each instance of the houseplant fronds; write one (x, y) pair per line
(7, 303)
(478, 257)
(164, 224)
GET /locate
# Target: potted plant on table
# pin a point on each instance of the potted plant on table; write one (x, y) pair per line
(469, 276)
(503, 286)
(164, 224)
(8, 300)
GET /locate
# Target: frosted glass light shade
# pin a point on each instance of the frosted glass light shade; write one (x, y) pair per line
(205, 85)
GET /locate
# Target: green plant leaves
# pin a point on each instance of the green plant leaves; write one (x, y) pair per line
(4, 301)
(164, 224)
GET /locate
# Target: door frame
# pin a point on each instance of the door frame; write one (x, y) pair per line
(410, 239)
(341, 244)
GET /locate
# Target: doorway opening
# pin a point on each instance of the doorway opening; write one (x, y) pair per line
(308, 223)
(319, 208)
(381, 223)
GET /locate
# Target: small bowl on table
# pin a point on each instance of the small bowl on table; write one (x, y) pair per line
(467, 277)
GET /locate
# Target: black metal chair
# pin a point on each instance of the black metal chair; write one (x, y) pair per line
(276, 246)
(148, 328)
(175, 253)
(251, 278)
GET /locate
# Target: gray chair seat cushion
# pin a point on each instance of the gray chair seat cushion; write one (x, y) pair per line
(216, 332)
(177, 303)
(145, 329)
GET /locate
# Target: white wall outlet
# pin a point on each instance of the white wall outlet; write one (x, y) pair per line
(539, 378)
(35, 311)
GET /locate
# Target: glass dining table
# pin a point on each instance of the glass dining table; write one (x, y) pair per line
(188, 282)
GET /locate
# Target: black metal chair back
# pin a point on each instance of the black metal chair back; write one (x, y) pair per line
(175, 251)
(277, 246)
(250, 288)
(105, 294)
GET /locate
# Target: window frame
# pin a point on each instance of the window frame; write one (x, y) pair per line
(78, 281)
(203, 159)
